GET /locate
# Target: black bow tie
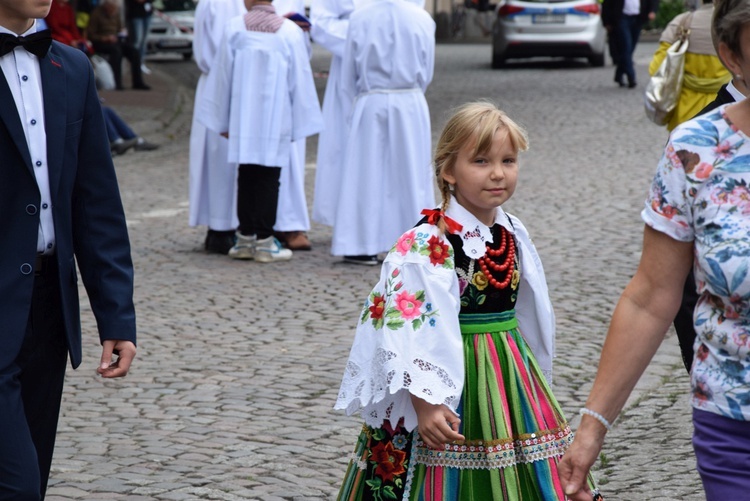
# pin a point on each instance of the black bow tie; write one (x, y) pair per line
(37, 43)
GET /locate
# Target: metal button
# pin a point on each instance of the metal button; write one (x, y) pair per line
(31, 209)
(26, 268)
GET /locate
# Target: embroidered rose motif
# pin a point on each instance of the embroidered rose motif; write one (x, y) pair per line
(390, 461)
(405, 243)
(378, 307)
(438, 250)
(479, 281)
(516, 278)
(408, 305)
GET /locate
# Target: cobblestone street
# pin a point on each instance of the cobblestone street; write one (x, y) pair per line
(231, 395)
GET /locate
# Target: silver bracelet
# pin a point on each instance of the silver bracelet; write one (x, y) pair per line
(596, 416)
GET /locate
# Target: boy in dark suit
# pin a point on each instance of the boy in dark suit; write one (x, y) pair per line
(61, 205)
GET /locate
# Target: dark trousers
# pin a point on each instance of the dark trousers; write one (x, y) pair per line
(683, 321)
(116, 126)
(257, 199)
(626, 35)
(30, 394)
(115, 52)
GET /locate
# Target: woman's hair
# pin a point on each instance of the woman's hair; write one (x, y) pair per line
(472, 124)
(730, 16)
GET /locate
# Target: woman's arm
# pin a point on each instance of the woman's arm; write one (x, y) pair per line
(645, 310)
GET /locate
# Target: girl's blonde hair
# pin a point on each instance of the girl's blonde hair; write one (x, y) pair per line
(472, 123)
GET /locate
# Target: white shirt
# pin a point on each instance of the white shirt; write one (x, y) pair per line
(21, 70)
(631, 7)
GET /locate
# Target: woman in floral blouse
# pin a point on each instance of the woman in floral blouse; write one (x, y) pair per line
(453, 344)
(697, 214)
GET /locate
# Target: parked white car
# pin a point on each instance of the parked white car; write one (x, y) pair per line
(172, 27)
(530, 28)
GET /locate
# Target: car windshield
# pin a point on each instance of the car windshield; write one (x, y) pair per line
(175, 5)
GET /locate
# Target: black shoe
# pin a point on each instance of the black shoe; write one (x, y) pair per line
(118, 148)
(363, 260)
(141, 86)
(143, 145)
(219, 242)
(632, 84)
(620, 80)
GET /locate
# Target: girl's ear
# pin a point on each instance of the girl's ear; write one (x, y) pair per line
(448, 176)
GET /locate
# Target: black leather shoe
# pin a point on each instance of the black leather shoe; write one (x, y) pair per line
(141, 86)
(632, 84)
(219, 242)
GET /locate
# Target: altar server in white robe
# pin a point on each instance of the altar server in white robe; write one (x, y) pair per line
(212, 184)
(387, 180)
(262, 94)
(330, 24)
(293, 217)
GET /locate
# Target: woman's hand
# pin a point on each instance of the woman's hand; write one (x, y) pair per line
(437, 424)
(579, 458)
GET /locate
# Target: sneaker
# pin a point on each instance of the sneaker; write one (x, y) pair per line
(244, 248)
(363, 260)
(219, 242)
(269, 249)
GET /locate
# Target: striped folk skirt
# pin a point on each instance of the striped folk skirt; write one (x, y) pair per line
(514, 428)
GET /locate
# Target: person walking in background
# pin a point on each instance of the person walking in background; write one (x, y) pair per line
(704, 73)
(213, 178)
(61, 206)
(453, 350)
(261, 93)
(330, 24)
(624, 21)
(61, 21)
(106, 32)
(696, 217)
(138, 18)
(387, 65)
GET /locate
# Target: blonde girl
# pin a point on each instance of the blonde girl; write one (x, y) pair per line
(455, 399)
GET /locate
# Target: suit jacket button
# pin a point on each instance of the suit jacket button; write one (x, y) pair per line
(26, 268)
(31, 209)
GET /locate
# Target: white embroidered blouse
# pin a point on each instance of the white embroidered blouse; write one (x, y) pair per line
(408, 338)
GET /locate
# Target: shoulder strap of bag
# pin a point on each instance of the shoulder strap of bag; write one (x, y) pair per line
(683, 30)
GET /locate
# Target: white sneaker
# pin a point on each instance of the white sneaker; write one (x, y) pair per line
(244, 247)
(145, 70)
(269, 249)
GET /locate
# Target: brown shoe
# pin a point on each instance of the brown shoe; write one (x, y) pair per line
(297, 240)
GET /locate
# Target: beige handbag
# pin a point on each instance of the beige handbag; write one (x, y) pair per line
(664, 87)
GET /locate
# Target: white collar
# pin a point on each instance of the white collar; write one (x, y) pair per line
(475, 234)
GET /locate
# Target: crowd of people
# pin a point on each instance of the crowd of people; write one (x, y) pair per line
(451, 363)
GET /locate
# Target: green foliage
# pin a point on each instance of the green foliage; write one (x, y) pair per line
(668, 10)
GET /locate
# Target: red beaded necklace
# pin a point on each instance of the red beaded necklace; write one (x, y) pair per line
(508, 265)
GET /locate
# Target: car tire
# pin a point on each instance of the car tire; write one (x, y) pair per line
(498, 61)
(597, 60)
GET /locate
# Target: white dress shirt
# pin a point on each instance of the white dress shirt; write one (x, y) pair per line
(21, 70)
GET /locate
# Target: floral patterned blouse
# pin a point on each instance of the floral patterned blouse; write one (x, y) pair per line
(700, 193)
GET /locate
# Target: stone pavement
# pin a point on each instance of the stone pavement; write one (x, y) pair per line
(230, 397)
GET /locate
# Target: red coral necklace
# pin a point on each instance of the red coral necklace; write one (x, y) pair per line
(488, 265)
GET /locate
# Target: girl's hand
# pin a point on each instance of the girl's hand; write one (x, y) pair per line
(437, 424)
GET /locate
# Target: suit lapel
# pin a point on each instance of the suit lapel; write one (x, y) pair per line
(54, 91)
(9, 116)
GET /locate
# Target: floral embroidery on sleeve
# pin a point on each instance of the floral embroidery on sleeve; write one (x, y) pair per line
(434, 247)
(394, 307)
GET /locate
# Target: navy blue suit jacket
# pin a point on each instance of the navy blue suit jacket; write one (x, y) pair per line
(87, 210)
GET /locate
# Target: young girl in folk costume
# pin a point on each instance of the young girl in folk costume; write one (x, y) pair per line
(454, 345)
